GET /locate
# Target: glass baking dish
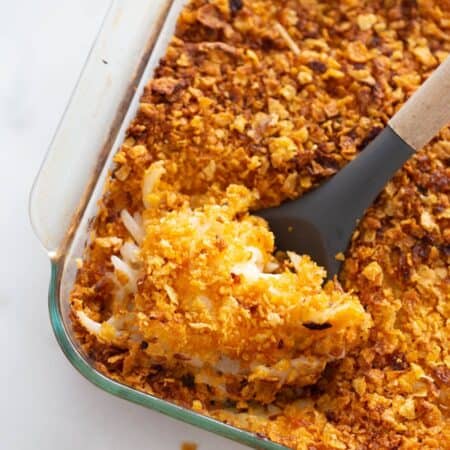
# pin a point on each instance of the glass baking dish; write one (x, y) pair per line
(132, 38)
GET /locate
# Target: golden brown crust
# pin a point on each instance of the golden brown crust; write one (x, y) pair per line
(235, 102)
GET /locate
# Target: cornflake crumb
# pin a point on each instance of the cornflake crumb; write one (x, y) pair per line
(197, 405)
(373, 272)
(423, 54)
(189, 446)
(340, 256)
(366, 21)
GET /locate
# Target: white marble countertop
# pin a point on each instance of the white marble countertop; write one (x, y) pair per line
(44, 403)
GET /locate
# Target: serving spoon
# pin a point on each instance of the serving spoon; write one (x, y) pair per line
(321, 222)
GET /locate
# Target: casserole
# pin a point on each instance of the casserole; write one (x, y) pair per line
(395, 342)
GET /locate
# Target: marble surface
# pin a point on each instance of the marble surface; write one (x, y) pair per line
(44, 403)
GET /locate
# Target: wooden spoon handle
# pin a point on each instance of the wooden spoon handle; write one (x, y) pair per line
(427, 111)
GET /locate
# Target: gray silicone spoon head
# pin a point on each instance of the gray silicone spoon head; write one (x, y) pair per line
(322, 222)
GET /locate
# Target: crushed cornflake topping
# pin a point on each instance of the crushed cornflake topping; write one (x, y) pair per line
(340, 256)
(424, 55)
(366, 21)
(109, 242)
(427, 221)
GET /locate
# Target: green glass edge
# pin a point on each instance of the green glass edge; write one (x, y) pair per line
(141, 398)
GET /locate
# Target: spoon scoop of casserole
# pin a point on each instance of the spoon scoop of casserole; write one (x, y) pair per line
(201, 293)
